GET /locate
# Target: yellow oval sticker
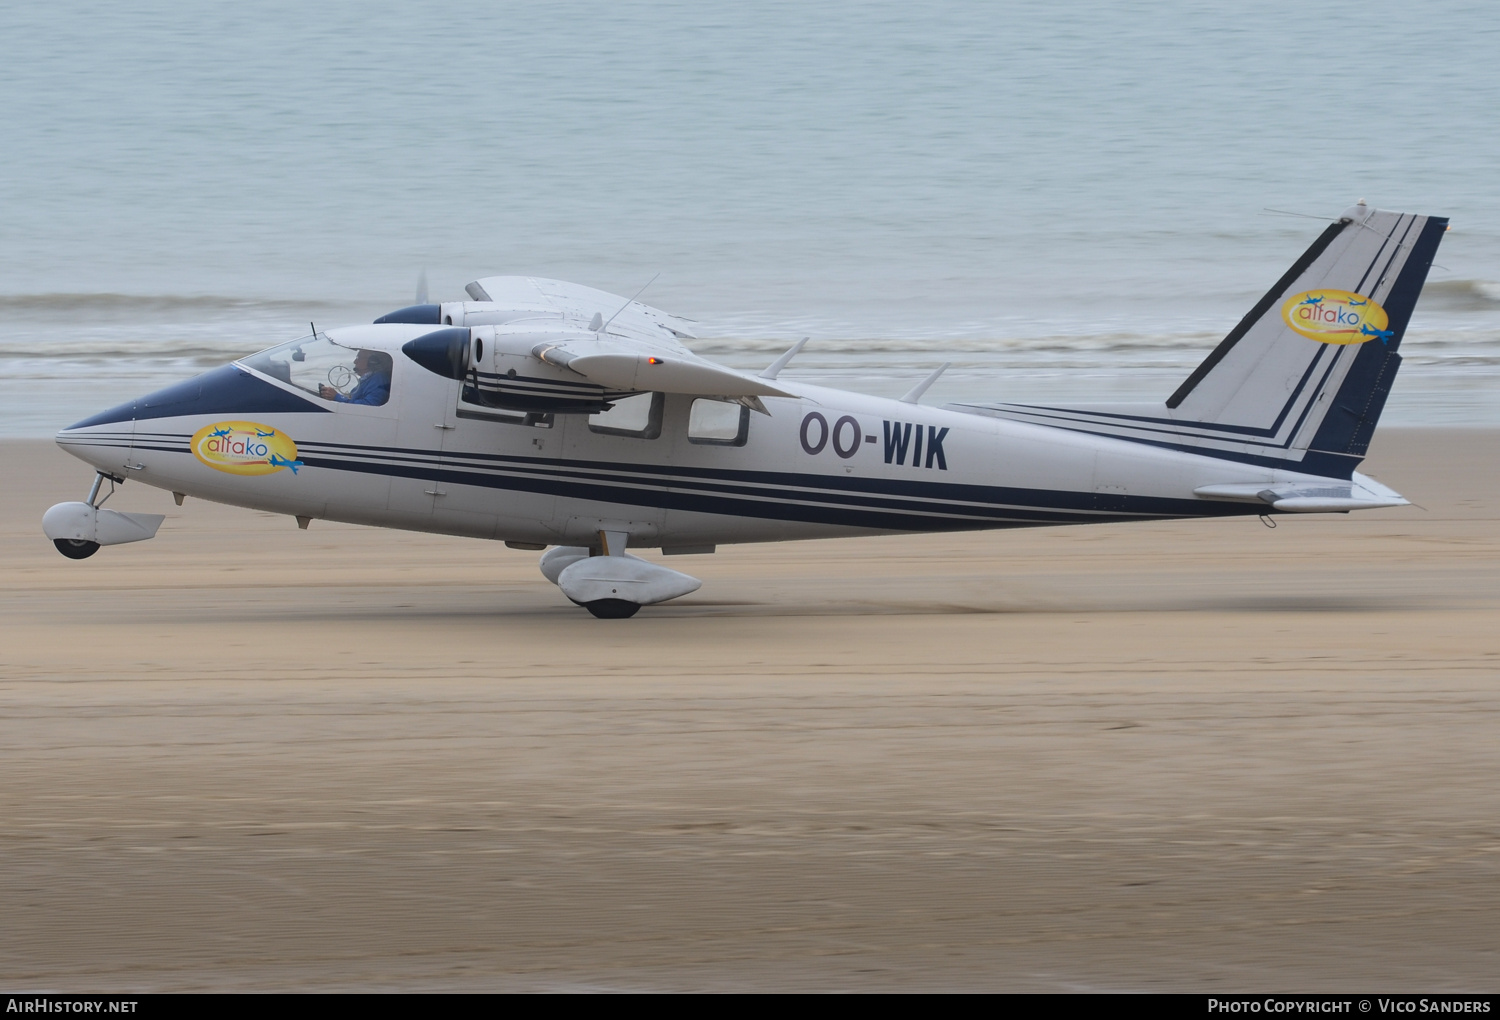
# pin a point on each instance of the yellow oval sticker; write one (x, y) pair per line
(245, 448)
(1336, 317)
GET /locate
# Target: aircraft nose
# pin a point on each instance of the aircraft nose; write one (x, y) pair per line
(106, 439)
(226, 391)
(103, 441)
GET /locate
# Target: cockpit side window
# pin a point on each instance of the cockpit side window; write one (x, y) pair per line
(333, 371)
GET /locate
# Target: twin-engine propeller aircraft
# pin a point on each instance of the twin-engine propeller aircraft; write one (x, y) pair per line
(543, 413)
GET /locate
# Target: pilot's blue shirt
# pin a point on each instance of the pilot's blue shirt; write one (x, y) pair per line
(374, 389)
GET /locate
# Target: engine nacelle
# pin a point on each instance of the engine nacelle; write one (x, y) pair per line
(507, 375)
(499, 370)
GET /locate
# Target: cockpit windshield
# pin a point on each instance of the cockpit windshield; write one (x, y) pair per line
(333, 371)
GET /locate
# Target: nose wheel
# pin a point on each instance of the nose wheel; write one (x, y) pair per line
(76, 548)
(83, 548)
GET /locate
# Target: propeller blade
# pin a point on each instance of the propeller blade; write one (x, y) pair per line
(422, 287)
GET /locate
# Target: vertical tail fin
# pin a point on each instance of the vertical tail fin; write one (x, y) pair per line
(1300, 383)
(1305, 374)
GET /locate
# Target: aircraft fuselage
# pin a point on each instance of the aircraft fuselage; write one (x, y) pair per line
(825, 464)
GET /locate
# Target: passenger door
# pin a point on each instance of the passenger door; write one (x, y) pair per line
(605, 452)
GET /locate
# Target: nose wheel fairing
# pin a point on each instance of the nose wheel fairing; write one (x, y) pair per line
(79, 529)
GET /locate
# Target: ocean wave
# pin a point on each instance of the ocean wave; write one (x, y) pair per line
(85, 353)
(1460, 296)
(159, 305)
(145, 343)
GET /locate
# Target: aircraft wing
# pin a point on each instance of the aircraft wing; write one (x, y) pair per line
(617, 364)
(575, 302)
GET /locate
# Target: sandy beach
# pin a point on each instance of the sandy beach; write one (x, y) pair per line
(1196, 756)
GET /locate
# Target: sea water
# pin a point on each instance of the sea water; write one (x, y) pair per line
(1066, 201)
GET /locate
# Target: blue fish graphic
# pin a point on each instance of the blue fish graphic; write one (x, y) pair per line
(277, 460)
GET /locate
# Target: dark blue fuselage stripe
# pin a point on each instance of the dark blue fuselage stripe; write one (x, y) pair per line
(671, 498)
(916, 503)
(927, 508)
(818, 484)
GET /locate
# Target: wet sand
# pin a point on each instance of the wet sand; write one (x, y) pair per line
(1185, 756)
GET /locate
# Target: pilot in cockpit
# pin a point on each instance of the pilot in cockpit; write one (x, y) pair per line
(374, 388)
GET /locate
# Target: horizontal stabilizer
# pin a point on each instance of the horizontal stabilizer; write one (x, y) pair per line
(1328, 504)
(1308, 496)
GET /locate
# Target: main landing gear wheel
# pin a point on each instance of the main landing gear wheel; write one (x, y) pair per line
(79, 548)
(612, 609)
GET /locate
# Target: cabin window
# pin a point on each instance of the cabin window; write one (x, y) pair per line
(339, 373)
(638, 416)
(718, 422)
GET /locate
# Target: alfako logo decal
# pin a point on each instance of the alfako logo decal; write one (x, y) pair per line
(245, 448)
(1336, 317)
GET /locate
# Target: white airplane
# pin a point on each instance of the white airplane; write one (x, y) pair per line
(542, 413)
